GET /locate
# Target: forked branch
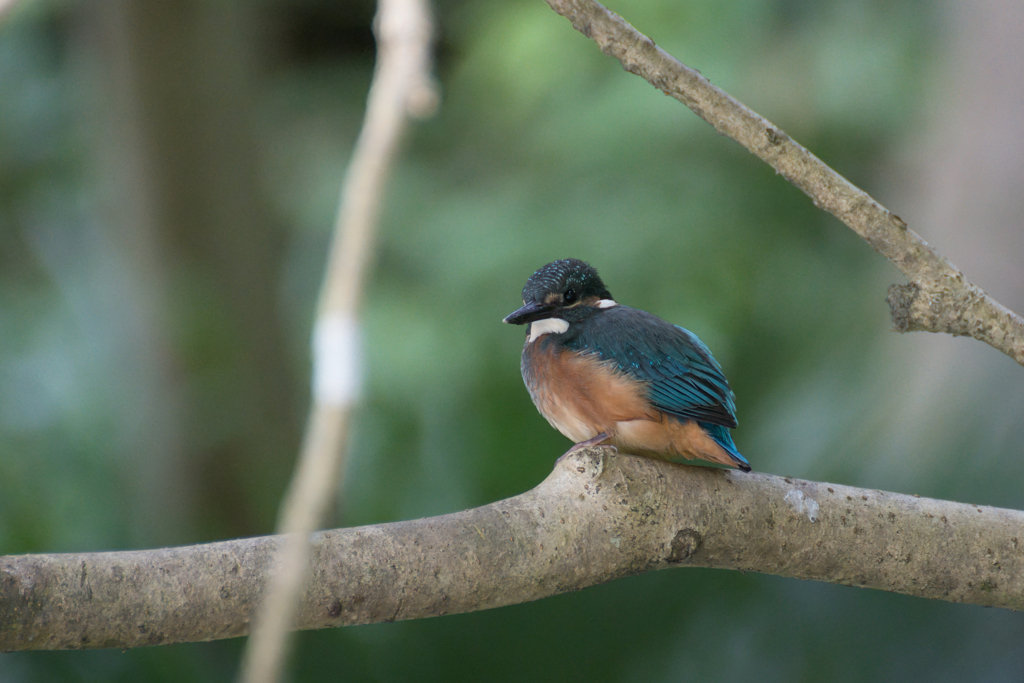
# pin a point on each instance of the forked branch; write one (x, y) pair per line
(938, 297)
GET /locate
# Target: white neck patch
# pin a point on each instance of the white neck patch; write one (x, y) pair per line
(539, 328)
(606, 303)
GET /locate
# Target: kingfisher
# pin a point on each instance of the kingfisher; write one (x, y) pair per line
(603, 373)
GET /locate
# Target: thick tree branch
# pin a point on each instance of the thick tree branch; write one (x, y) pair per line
(938, 299)
(597, 517)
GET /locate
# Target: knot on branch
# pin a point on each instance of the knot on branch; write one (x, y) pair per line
(936, 307)
(900, 300)
(684, 545)
(590, 461)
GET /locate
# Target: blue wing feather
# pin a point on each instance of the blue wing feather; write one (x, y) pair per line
(682, 376)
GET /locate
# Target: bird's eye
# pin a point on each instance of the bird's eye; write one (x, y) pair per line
(569, 296)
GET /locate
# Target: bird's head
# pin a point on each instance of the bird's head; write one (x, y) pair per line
(569, 290)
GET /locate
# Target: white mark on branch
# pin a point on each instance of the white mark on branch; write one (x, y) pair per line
(801, 504)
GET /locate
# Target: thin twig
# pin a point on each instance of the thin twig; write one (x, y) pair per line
(599, 516)
(401, 87)
(5, 8)
(938, 298)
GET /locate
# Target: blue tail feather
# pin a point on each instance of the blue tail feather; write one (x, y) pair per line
(723, 437)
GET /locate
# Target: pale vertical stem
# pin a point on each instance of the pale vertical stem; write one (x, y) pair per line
(401, 87)
(5, 7)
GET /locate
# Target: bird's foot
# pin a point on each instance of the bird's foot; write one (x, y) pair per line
(584, 444)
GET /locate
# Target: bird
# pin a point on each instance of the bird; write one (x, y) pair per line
(604, 373)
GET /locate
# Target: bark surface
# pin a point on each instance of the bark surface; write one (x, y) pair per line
(599, 516)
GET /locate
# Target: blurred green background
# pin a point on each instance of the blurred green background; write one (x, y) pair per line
(168, 179)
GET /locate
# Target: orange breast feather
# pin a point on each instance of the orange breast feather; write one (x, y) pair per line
(582, 396)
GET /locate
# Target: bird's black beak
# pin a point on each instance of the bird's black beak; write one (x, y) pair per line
(528, 313)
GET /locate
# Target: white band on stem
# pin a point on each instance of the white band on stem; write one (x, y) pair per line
(337, 362)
